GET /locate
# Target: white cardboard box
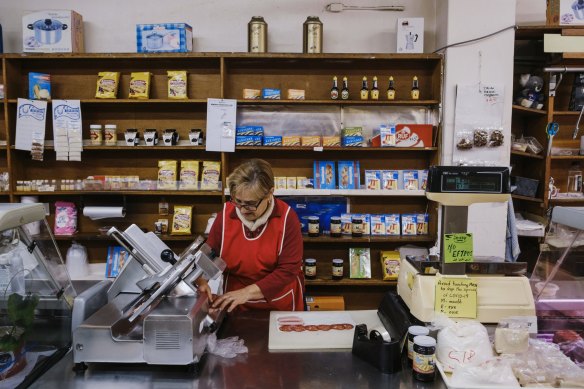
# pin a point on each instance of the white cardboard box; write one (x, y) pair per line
(52, 31)
(410, 35)
(571, 13)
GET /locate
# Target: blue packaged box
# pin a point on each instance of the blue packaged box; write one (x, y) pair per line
(39, 86)
(244, 140)
(272, 141)
(244, 131)
(164, 38)
(324, 175)
(389, 179)
(257, 140)
(409, 224)
(411, 181)
(323, 207)
(349, 174)
(373, 179)
(257, 130)
(272, 94)
(392, 224)
(352, 141)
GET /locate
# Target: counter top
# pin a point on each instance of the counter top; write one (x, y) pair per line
(259, 368)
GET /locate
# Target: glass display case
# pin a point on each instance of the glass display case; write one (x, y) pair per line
(558, 283)
(36, 296)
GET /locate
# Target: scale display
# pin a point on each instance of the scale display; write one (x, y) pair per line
(474, 184)
(468, 179)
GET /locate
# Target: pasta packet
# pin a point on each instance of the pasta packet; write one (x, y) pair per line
(107, 85)
(139, 85)
(182, 220)
(177, 84)
(167, 174)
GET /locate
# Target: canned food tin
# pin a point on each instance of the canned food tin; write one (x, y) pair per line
(257, 35)
(312, 35)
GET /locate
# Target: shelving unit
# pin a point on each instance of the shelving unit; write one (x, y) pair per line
(224, 75)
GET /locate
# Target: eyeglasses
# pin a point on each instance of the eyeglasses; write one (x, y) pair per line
(247, 205)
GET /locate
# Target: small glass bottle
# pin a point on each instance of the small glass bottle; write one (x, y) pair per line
(337, 270)
(391, 89)
(414, 331)
(310, 268)
(110, 135)
(364, 89)
(345, 90)
(423, 364)
(415, 89)
(313, 226)
(335, 227)
(375, 89)
(356, 227)
(335, 89)
(574, 180)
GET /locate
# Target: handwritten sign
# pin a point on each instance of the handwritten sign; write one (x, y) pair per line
(456, 297)
(458, 248)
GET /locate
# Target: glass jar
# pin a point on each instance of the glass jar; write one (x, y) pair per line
(110, 135)
(414, 331)
(337, 270)
(335, 227)
(357, 227)
(95, 134)
(313, 226)
(310, 268)
(423, 364)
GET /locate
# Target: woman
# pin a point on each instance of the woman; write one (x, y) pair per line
(259, 238)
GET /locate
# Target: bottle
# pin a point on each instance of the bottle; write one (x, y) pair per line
(414, 331)
(374, 90)
(310, 268)
(313, 226)
(423, 364)
(364, 90)
(415, 90)
(574, 180)
(337, 270)
(356, 227)
(335, 89)
(391, 89)
(257, 35)
(345, 90)
(335, 227)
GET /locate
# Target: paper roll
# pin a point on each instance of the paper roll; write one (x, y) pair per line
(96, 213)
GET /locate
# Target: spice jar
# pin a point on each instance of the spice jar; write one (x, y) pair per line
(95, 134)
(424, 349)
(414, 331)
(337, 270)
(313, 226)
(357, 227)
(111, 135)
(335, 227)
(310, 268)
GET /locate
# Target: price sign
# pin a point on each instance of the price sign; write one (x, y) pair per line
(456, 297)
(458, 248)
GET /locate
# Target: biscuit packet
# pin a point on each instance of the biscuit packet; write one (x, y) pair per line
(189, 175)
(182, 220)
(139, 85)
(107, 85)
(167, 175)
(211, 175)
(390, 261)
(177, 84)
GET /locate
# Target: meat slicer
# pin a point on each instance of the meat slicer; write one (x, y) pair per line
(152, 313)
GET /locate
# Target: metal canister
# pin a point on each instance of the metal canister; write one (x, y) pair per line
(257, 35)
(312, 35)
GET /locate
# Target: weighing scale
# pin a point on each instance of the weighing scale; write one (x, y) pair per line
(502, 288)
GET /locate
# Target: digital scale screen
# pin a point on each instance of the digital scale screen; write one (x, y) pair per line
(472, 183)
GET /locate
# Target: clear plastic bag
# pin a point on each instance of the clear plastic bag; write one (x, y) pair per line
(226, 348)
(492, 373)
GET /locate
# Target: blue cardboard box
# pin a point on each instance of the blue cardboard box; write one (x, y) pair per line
(272, 141)
(324, 175)
(164, 38)
(39, 86)
(349, 174)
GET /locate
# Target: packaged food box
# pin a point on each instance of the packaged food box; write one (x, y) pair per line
(257, 130)
(139, 85)
(177, 84)
(390, 264)
(244, 140)
(372, 179)
(107, 85)
(272, 141)
(251, 94)
(290, 141)
(392, 224)
(331, 141)
(377, 225)
(244, 130)
(312, 140)
(304, 183)
(296, 94)
(411, 181)
(352, 141)
(189, 175)
(324, 175)
(164, 38)
(52, 31)
(422, 223)
(271, 94)
(167, 174)
(409, 224)
(423, 179)
(39, 86)
(389, 179)
(211, 175)
(182, 220)
(349, 174)
(387, 136)
(291, 183)
(346, 224)
(413, 135)
(352, 131)
(280, 182)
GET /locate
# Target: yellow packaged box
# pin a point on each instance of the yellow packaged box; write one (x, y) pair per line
(390, 262)
(189, 175)
(296, 94)
(291, 183)
(167, 175)
(331, 141)
(107, 85)
(182, 220)
(312, 140)
(290, 141)
(139, 85)
(211, 176)
(279, 182)
(177, 84)
(251, 94)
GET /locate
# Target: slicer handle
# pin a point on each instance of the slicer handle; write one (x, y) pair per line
(168, 256)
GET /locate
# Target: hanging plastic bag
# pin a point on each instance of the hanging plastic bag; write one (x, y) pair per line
(77, 264)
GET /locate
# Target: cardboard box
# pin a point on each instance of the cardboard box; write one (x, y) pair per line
(52, 31)
(325, 175)
(414, 135)
(567, 13)
(410, 35)
(325, 303)
(164, 38)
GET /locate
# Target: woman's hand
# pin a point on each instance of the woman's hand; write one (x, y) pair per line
(231, 300)
(203, 287)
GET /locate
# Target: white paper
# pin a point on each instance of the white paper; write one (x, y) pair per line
(221, 117)
(96, 213)
(31, 116)
(67, 127)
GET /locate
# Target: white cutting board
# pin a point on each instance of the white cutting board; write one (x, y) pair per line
(307, 340)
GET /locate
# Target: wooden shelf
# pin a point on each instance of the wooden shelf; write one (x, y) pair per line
(319, 149)
(90, 236)
(576, 200)
(566, 113)
(346, 239)
(152, 192)
(527, 155)
(340, 102)
(526, 198)
(567, 157)
(350, 282)
(347, 192)
(130, 101)
(529, 111)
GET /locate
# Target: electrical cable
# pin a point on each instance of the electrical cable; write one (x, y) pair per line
(475, 39)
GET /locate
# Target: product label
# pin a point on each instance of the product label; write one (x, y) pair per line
(313, 228)
(423, 364)
(337, 271)
(310, 271)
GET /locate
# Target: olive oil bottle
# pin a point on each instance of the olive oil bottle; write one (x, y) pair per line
(391, 89)
(335, 89)
(345, 90)
(415, 89)
(375, 89)
(364, 90)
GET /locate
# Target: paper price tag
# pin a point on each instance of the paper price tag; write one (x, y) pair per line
(458, 248)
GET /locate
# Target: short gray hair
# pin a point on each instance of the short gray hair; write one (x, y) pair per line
(254, 175)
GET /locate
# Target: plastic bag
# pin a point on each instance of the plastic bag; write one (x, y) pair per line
(11, 265)
(226, 348)
(492, 373)
(77, 265)
(461, 342)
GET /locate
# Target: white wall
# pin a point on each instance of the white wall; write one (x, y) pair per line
(221, 25)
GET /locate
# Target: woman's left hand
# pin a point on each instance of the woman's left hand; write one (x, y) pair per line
(231, 300)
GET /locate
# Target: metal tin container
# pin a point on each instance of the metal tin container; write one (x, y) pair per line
(257, 35)
(312, 35)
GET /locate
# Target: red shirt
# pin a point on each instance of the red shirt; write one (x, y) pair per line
(278, 266)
